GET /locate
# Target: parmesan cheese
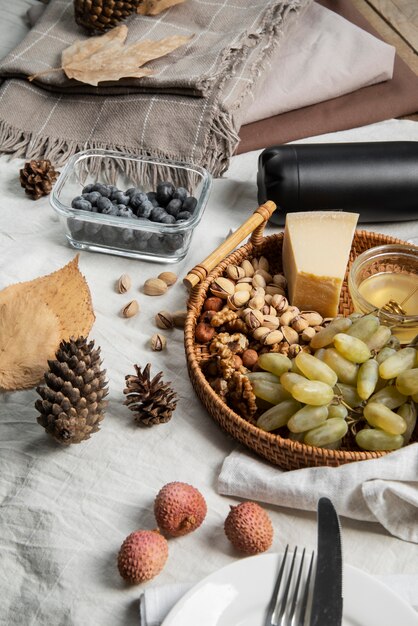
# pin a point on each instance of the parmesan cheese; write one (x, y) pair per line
(316, 248)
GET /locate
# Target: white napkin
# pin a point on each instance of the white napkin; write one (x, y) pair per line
(156, 602)
(381, 490)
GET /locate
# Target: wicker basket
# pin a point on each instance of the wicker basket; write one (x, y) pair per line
(285, 453)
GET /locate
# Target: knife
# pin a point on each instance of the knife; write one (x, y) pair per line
(327, 602)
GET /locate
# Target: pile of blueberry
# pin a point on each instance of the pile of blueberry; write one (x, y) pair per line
(166, 205)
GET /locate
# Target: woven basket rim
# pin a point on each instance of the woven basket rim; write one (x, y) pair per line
(328, 456)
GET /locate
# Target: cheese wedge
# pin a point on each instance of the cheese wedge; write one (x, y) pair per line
(316, 248)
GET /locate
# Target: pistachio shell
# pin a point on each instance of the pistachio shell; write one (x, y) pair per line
(155, 287)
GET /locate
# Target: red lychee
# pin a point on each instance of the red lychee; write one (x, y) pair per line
(142, 556)
(179, 509)
(248, 528)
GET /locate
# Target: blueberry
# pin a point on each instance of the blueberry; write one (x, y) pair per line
(124, 211)
(137, 199)
(189, 204)
(81, 204)
(173, 242)
(109, 234)
(152, 197)
(102, 189)
(180, 194)
(88, 188)
(157, 214)
(174, 206)
(112, 209)
(168, 219)
(103, 204)
(92, 229)
(128, 236)
(155, 242)
(145, 209)
(120, 198)
(75, 226)
(165, 192)
(142, 236)
(183, 216)
(132, 191)
(92, 197)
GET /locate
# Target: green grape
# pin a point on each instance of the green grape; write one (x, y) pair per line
(319, 354)
(296, 436)
(314, 369)
(289, 380)
(389, 396)
(376, 439)
(295, 368)
(379, 338)
(380, 416)
(355, 316)
(384, 354)
(334, 445)
(415, 397)
(409, 413)
(345, 369)
(271, 392)
(278, 415)
(337, 410)
(326, 433)
(367, 378)
(349, 394)
(312, 392)
(351, 348)
(407, 382)
(267, 376)
(307, 417)
(394, 365)
(275, 363)
(364, 327)
(325, 336)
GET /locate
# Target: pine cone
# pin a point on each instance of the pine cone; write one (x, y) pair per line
(37, 177)
(73, 404)
(102, 15)
(151, 400)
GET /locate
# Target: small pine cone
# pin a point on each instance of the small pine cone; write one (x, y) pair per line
(102, 15)
(37, 178)
(151, 400)
(72, 404)
(241, 397)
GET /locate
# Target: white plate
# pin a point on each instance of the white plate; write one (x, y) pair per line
(238, 594)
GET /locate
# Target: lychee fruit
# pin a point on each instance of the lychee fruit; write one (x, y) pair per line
(249, 528)
(142, 556)
(179, 509)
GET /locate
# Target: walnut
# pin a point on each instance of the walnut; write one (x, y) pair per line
(237, 342)
(223, 316)
(241, 397)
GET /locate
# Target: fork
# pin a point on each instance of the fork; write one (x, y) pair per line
(285, 606)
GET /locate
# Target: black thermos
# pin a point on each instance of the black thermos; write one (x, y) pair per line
(378, 180)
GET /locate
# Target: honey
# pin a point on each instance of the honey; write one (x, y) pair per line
(379, 289)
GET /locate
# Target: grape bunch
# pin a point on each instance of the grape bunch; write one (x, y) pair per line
(357, 376)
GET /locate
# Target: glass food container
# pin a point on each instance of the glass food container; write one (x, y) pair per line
(388, 274)
(135, 235)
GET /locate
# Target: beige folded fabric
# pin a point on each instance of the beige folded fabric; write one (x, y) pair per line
(323, 56)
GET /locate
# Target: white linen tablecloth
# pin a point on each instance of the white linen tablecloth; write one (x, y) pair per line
(65, 511)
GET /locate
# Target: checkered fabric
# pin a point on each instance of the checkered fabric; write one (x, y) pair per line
(189, 110)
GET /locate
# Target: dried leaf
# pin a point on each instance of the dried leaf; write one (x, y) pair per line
(35, 316)
(107, 58)
(154, 7)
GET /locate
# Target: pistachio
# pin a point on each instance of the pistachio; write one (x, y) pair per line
(158, 342)
(261, 332)
(254, 263)
(164, 319)
(263, 264)
(269, 310)
(246, 279)
(270, 321)
(294, 350)
(259, 281)
(274, 289)
(312, 317)
(268, 298)
(235, 272)
(222, 287)
(248, 268)
(307, 334)
(238, 299)
(280, 280)
(267, 277)
(253, 319)
(168, 277)
(131, 309)
(257, 302)
(299, 324)
(290, 335)
(124, 284)
(275, 336)
(155, 287)
(279, 302)
(286, 317)
(179, 318)
(243, 287)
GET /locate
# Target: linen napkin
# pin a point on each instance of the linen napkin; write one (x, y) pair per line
(383, 490)
(189, 110)
(156, 602)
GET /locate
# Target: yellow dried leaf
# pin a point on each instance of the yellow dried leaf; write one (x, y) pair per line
(35, 316)
(154, 7)
(29, 335)
(107, 58)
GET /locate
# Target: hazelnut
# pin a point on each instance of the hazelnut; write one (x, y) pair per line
(207, 316)
(249, 358)
(204, 332)
(237, 361)
(213, 304)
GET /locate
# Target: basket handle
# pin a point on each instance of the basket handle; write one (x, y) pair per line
(254, 224)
